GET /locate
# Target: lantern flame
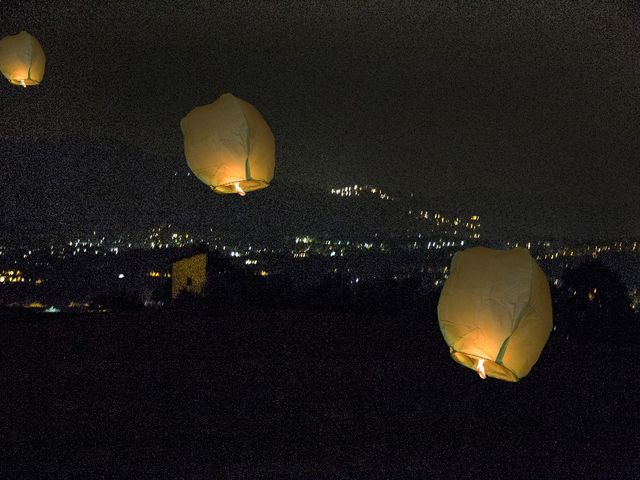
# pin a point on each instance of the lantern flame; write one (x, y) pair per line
(239, 189)
(480, 369)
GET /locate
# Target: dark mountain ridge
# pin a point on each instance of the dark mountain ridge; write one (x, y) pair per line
(115, 188)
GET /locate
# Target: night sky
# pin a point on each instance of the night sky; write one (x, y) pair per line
(527, 113)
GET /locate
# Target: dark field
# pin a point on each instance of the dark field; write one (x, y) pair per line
(285, 394)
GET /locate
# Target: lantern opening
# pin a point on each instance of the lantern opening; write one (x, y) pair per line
(243, 186)
(489, 367)
(24, 82)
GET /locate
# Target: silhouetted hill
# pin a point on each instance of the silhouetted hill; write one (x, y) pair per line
(508, 213)
(113, 188)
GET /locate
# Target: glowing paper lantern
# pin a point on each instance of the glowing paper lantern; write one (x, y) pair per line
(495, 311)
(229, 146)
(22, 59)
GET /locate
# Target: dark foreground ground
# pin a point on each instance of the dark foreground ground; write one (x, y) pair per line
(284, 394)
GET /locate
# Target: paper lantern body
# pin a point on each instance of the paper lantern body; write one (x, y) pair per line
(22, 59)
(495, 310)
(229, 146)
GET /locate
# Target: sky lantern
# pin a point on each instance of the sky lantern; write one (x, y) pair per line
(229, 146)
(495, 311)
(22, 59)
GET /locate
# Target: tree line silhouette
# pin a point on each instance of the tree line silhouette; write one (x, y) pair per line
(589, 303)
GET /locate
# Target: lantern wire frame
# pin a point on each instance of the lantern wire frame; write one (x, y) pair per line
(24, 82)
(491, 367)
(244, 185)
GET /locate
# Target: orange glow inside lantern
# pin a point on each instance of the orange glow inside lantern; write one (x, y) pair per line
(22, 60)
(495, 312)
(229, 146)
